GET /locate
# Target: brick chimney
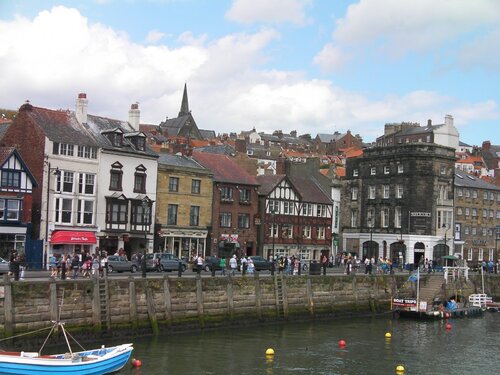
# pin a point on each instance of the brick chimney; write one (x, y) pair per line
(134, 115)
(241, 145)
(280, 165)
(81, 108)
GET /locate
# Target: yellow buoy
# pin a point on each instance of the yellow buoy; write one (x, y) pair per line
(388, 335)
(270, 351)
(400, 368)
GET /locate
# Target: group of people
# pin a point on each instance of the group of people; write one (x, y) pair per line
(85, 264)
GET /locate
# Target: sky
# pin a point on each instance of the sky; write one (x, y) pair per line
(314, 66)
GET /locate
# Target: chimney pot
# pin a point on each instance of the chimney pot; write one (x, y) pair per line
(82, 95)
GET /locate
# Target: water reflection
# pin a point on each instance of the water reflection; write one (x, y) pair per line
(312, 348)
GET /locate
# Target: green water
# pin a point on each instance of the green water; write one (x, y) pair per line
(471, 346)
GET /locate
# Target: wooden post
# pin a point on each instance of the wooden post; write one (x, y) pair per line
(258, 296)
(151, 309)
(285, 297)
(53, 306)
(310, 300)
(230, 297)
(7, 307)
(133, 302)
(168, 299)
(199, 300)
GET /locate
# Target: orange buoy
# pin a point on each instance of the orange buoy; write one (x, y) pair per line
(448, 326)
(341, 343)
(136, 362)
(447, 315)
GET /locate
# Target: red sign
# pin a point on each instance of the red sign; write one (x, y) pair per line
(72, 237)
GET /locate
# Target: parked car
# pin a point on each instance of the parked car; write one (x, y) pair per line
(208, 263)
(261, 263)
(117, 263)
(4, 266)
(164, 262)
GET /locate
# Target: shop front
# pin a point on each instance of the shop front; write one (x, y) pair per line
(67, 242)
(185, 244)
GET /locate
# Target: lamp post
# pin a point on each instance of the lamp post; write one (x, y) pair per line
(273, 214)
(370, 247)
(145, 208)
(57, 173)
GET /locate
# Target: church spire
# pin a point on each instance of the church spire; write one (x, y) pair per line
(184, 105)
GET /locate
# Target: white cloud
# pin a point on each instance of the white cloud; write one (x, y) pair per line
(397, 27)
(331, 58)
(59, 53)
(269, 11)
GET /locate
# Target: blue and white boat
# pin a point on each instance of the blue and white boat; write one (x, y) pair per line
(105, 360)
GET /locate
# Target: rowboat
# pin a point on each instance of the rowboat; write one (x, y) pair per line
(91, 362)
(104, 360)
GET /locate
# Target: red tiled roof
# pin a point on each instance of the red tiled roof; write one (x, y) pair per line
(224, 168)
(340, 171)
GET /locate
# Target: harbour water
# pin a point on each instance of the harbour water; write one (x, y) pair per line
(471, 346)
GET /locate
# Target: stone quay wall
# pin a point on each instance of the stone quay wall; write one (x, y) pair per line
(122, 306)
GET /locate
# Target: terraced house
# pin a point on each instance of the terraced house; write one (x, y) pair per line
(97, 178)
(477, 218)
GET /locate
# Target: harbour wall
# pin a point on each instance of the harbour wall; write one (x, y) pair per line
(127, 306)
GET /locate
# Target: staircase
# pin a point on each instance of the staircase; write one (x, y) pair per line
(278, 287)
(431, 288)
(104, 303)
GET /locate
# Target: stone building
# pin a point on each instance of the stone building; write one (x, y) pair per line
(477, 218)
(184, 206)
(397, 203)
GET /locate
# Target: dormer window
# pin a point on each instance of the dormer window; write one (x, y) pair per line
(140, 143)
(117, 139)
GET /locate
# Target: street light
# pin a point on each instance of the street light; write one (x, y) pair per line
(370, 247)
(56, 173)
(145, 208)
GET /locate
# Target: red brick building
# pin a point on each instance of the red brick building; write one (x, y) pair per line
(235, 204)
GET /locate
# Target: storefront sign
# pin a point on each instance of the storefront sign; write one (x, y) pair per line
(420, 214)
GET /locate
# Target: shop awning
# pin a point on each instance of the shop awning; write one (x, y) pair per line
(72, 237)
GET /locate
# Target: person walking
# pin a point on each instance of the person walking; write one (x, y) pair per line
(324, 263)
(222, 264)
(233, 265)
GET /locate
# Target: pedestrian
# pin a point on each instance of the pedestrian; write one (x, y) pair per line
(243, 265)
(75, 266)
(53, 265)
(64, 266)
(250, 266)
(233, 265)
(16, 267)
(324, 263)
(95, 265)
(222, 265)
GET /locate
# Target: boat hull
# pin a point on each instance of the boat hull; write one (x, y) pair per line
(435, 315)
(92, 362)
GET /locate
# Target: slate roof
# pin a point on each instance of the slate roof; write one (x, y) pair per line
(307, 188)
(463, 179)
(327, 138)
(4, 126)
(208, 134)
(225, 169)
(223, 149)
(63, 127)
(180, 161)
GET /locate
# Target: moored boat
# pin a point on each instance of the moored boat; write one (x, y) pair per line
(92, 362)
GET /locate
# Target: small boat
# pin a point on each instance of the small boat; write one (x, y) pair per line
(104, 360)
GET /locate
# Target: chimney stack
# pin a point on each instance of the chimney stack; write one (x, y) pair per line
(134, 115)
(81, 108)
(429, 123)
(448, 120)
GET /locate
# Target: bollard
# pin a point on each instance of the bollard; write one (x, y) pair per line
(300, 268)
(212, 267)
(272, 268)
(179, 270)
(244, 272)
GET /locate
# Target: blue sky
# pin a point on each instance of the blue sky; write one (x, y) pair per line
(314, 66)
